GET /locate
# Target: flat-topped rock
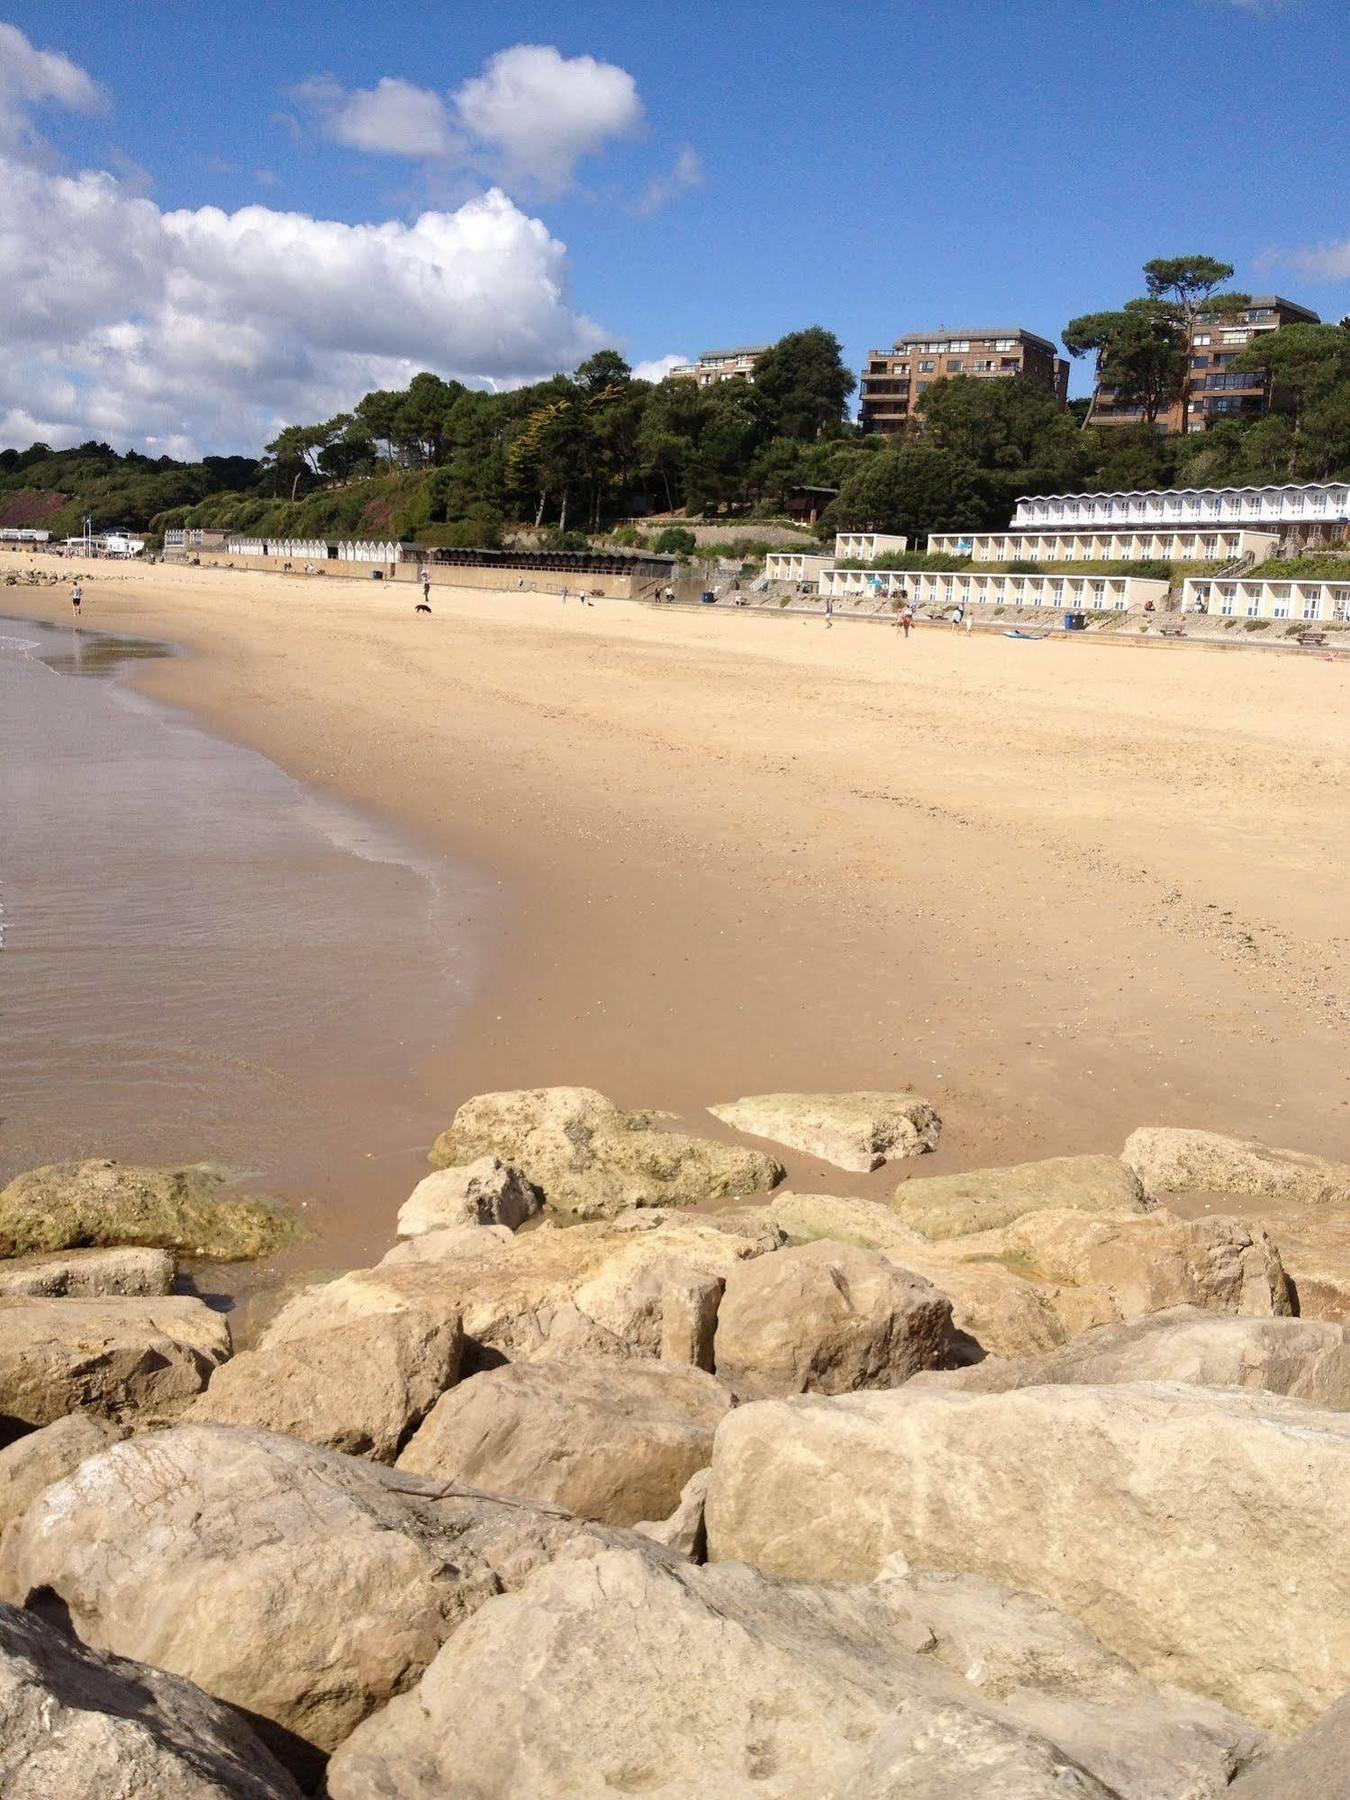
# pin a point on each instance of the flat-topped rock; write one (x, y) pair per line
(1172, 1160)
(359, 1387)
(118, 1356)
(948, 1206)
(610, 1441)
(1307, 1359)
(858, 1131)
(599, 1288)
(1030, 1287)
(1200, 1534)
(84, 1274)
(99, 1202)
(302, 1586)
(77, 1725)
(484, 1192)
(827, 1318)
(717, 1681)
(588, 1157)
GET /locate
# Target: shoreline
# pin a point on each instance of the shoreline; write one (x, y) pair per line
(800, 863)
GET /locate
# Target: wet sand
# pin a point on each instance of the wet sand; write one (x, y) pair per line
(1062, 890)
(203, 958)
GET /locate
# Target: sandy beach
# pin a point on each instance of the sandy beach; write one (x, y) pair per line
(1063, 888)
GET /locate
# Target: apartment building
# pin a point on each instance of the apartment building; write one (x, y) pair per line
(1214, 388)
(720, 365)
(894, 381)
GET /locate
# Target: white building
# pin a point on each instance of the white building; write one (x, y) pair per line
(1219, 544)
(1247, 597)
(720, 365)
(1307, 503)
(867, 546)
(105, 543)
(1066, 593)
(23, 534)
(795, 565)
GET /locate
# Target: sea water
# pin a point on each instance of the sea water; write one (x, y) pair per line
(205, 961)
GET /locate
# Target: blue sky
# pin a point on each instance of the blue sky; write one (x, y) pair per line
(731, 173)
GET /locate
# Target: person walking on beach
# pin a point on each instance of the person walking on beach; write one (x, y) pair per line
(968, 621)
(426, 588)
(957, 617)
(829, 612)
(564, 596)
(906, 618)
(76, 596)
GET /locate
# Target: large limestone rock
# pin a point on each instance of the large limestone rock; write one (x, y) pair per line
(444, 1241)
(360, 1387)
(42, 1457)
(1315, 1765)
(117, 1356)
(1306, 1359)
(857, 1131)
(588, 1157)
(75, 1725)
(631, 1677)
(601, 1288)
(485, 1192)
(1127, 1265)
(1173, 1161)
(614, 1442)
(949, 1206)
(1202, 1535)
(302, 1586)
(1038, 1282)
(827, 1318)
(84, 1274)
(100, 1202)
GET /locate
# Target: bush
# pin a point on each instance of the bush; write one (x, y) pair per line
(553, 539)
(675, 541)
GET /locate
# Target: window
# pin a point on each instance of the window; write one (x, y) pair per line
(919, 386)
(954, 365)
(1312, 606)
(1004, 344)
(1227, 602)
(1236, 337)
(1201, 337)
(1280, 609)
(926, 368)
(1261, 312)
(1222, 360)
(959, 344)
(1200, 362)
(1253, 605)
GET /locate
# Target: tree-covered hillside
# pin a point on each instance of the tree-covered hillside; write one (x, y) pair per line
(57, 489)
(444, 463)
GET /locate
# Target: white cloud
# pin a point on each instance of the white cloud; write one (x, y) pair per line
(1319, 262)
(205, 328)
(541, 112)
(686, 172)
(527, 120)
(659, 367)
(393, 118)
(31, 78)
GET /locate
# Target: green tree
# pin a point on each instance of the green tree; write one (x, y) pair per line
(675, 540)
(1143, 347)
(1140, 351)
(1308, 367)
(911, 489)
(803, 383)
